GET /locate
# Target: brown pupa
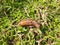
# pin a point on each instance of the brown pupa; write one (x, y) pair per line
(29, 22)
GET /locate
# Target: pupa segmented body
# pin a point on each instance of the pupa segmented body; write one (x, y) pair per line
(29, 22)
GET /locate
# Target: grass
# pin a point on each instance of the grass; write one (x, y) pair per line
(45, 12)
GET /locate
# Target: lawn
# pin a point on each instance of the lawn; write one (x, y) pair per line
(44, 12)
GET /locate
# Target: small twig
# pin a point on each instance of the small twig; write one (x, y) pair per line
(39, 41)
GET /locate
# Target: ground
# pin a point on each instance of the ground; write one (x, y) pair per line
(45, 12)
